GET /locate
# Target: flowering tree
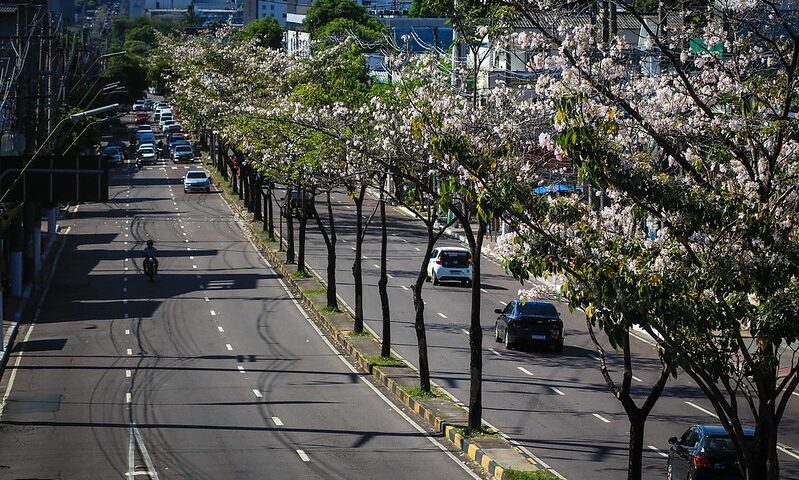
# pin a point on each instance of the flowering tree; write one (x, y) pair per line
(691, 144)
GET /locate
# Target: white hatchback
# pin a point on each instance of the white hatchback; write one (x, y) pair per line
(450, 264)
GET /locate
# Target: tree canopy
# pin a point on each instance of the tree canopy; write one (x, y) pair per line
(338, 18)
(265, 31)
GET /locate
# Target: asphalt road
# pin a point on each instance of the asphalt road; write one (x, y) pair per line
(558, 406)
(209, 372)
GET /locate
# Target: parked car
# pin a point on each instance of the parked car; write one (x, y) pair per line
(450, 264)
(146, 153)
(114, 153)
(705, 452)
(182, 153)
(529, 322)
(196, 181)
(293, 200)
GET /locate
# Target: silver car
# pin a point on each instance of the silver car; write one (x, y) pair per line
(196, 181)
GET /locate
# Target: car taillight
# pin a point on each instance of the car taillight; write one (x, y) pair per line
(440, 262)
(469, 260)
(701, 461)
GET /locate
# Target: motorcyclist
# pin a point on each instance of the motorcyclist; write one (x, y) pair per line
(151, 252)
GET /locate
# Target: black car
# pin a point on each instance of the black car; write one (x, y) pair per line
(530, 322)
(705, 452)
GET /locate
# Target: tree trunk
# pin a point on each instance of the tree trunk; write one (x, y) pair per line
(636, 445)
(271, 225)
(385, 348)
(357, 273)
(241, 181)
(330, 245)
(234, 182)
(289, 232)
(418, 306)
(301, 256)
(476, 334)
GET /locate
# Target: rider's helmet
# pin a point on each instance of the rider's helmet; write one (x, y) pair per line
(149, 243)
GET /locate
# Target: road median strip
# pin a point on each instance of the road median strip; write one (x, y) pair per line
(493, 453)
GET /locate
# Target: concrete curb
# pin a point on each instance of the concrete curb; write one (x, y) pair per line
(346, 342)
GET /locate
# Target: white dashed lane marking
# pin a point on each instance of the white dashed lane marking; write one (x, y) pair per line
(130, 351)
(304, 456)
(221, 330)
(556, 391)
(601, 418)
(128, 397)
(240, 368)
(277, 421)
(494, 352)
(229, 346)
(525, 371)
(213, 313)
(256, 393)
(127, 373)
(658, 451)
(441, 315)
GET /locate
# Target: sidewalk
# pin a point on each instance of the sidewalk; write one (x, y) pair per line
(16, 310)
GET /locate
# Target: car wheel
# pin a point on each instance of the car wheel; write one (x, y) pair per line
(435, 279)
(557, 347)
(497, 337)
(508, 345)
(185, 191)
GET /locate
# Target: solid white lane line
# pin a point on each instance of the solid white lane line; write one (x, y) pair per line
(639, 337)
(127, 373)
(494, 352)
(303, 456)
(794, 393)
(658, 451)
(525, 371)
(229, 346)
(257, 393)
(558, 391)
(601, 417)
(703, 410)
(221, 330)
(241, 369)
(213, 313)
(277, 421)
(127, 397)
(503, 303)
(125, 301)
(130, 351)
(787, 450)
(465, 331)
(441, 315)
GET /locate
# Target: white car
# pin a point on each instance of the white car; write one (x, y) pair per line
(450, 264)
(165, 117)
(146, 153)
(196, 181)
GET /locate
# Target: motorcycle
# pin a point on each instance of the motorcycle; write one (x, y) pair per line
(149, 268)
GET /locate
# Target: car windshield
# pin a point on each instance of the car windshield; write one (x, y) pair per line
(183, 149)
(723, 444)
(196, 175)
(455, 259)
(146, 150)
(537, 309)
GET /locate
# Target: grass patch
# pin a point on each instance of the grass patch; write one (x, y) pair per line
(417, 392)
(316, 292)
(478, 433)
(300, 275)
(362, 334)
(391, 361)
(525, 475)
(327, 311)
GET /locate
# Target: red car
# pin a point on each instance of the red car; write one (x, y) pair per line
(141, 117)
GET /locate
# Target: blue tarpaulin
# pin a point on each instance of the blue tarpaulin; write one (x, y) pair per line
(557, 187)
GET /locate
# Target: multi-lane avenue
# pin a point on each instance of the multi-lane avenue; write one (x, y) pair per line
(558, 406)
(212, 371)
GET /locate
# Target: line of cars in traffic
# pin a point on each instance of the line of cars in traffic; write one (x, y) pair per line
(171, 142)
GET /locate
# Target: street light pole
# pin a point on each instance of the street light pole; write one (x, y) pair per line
(89, 68)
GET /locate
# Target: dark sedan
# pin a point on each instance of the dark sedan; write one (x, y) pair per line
(705, 452)
(529, 322)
